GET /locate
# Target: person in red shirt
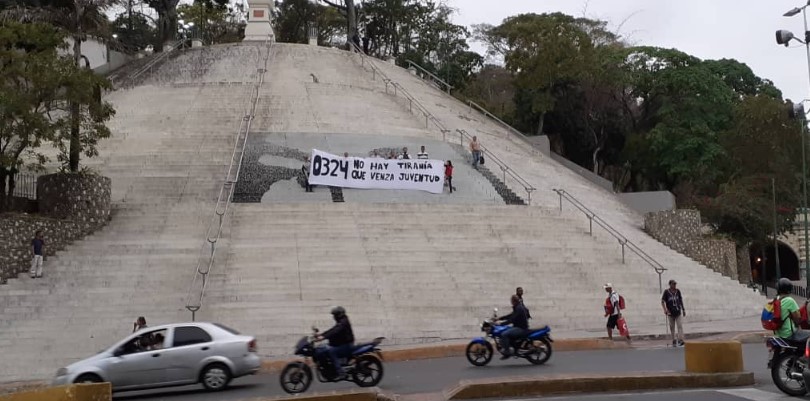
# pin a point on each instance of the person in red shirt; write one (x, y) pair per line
(448, 175)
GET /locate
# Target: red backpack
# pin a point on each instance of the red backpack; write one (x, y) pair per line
(609, 305)
(772, 315)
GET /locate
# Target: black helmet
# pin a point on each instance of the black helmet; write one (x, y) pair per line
(338, 312)
(784, 286)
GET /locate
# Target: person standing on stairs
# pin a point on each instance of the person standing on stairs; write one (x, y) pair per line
(672, 302)
(448, 175)
(38, 253)
(475, 149)
(423, 154)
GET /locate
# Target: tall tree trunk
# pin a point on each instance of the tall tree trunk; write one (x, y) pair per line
(75, 150)
(3, 197)
(351, 17)
(540, 123)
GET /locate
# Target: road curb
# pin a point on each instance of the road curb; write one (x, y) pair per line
(565, 384)
(368, 394)
(458, 349)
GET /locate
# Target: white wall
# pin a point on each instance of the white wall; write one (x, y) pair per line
(102, 60)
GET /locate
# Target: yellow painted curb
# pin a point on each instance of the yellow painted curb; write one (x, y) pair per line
(457, 350)
(562, 384)
(74, 392)
(713, 356)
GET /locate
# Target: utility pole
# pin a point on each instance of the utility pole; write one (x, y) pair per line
(775, 241)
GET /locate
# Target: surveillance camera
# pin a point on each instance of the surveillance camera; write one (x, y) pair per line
(783, 37)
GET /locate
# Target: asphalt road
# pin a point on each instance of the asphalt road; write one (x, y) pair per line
(434, 375)
(742, 394)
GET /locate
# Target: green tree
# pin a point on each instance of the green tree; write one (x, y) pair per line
(542, 51)
(134, 34)
(294, 17)
(78, 18)
(761, 145)
(213, 23)
(37, 89)
(166, 23)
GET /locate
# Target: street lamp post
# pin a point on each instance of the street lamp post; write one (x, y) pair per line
(783, 38)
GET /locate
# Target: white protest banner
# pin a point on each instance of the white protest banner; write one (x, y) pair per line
(375, 173)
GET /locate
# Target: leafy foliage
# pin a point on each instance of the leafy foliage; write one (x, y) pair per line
(37, 89)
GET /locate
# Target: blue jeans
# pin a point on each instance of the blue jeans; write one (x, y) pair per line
(476, 155)
(510, 337)
(335, 353)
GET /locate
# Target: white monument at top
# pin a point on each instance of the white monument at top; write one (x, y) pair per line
(258, 27)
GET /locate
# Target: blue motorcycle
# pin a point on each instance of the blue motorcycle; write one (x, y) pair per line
(536, 347)
(364, 367)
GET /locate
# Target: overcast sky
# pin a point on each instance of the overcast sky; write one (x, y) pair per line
(740, 29)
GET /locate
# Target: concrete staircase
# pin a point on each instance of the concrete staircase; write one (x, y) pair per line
(167, 159)
(412, 272)
(421, 273)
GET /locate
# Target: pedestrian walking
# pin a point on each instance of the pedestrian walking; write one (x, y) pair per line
(366, 41)
(38, 254)
(672, 302)
(613, 311)
(475, 149)
(139, 324)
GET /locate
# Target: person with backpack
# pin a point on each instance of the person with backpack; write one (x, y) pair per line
(672, 302)
(613, 310)
(782, 314)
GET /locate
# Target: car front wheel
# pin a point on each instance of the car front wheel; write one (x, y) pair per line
(215, 377)
(88, 378)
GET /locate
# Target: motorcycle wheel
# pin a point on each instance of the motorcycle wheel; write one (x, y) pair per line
(786, 364)
(540, 351)
(479, 354)
(296, 378)
(368, 371)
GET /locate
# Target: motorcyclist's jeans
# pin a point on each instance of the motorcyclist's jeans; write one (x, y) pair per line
(335, 353)
(800, 336)
(510, 337)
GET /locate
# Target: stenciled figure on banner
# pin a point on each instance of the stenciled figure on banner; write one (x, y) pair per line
(375, 173)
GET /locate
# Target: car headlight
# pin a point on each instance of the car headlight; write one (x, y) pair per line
(61, 372)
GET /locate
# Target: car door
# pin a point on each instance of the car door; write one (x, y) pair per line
(191, 345)
(137, 364)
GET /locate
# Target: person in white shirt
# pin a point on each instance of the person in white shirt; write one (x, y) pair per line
(422, 154)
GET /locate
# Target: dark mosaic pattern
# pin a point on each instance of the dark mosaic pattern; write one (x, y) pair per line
(508, 196)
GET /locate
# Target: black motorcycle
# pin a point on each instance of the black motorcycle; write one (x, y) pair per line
(364, 367)
(788, 365)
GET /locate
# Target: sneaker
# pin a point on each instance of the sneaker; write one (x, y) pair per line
(680, 342)
(33, 275)
(505, 356)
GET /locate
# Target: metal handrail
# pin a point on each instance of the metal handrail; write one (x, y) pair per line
(503, 166)
(429, 117)
(430, 74)
(623, 241)
(494, 117)
(214, 232)
(163, 55)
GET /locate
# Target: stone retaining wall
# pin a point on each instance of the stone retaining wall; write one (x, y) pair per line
(71, 206)
(680, 230)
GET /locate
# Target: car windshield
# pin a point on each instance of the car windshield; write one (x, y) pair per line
(226, 328)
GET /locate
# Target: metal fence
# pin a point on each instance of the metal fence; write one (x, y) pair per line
(25, 186)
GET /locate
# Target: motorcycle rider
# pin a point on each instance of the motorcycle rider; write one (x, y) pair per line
(341, 340)
(790, 312)
(519, 319)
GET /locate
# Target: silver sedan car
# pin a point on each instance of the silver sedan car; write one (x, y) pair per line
(169, 355)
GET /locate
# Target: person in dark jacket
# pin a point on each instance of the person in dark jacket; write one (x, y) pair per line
(519, 319)
(341, 340)
(519, 293)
